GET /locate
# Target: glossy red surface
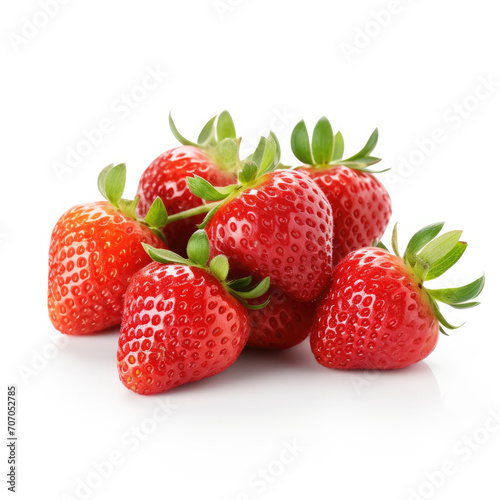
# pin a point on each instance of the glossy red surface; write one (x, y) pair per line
(94, 251)
(374, 316)
(282, 228)
(166, 178)
(179, 325)
(361, 207)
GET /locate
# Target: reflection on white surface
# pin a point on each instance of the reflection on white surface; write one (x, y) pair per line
(398, 427)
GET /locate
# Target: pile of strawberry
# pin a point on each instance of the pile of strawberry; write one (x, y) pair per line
(216, 253)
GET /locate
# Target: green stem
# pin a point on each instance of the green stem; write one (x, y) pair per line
(202, 209)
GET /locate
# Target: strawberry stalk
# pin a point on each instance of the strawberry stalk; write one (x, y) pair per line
(198, 252)
(429, 256)
(192, 212)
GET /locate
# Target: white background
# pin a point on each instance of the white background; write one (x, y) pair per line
(270, 63)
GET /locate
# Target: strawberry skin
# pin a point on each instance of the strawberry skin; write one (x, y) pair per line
(361, 207)
(282, 324)
(166, 178)
(179, 325)
(375, 315)
(282, 227)
(94, 251)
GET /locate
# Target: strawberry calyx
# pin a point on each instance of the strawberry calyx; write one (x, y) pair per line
(264, 160)
(111, 183)
(429, 256)
(325, 149)
(198, 252)
(216, 138)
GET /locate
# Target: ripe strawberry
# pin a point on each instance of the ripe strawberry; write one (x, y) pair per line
(182, 321)
(283, 323)
(166, 176)
(378, 314)
(94, 251)
(360, 203)
(274, 223)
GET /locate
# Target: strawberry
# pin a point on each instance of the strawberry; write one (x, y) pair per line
(274, 223)
(360, 203)
(182, 321)
(166, 176)
(378, 314)
(282, 324)
(94, 251)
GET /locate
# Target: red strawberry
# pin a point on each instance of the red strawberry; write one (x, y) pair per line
(273, 223)
(182, 321)
(360, 203)
(166, 177)
(94, 251)
(378, 314)
(283, 323)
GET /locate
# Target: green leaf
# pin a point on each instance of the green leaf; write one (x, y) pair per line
(207, 132)
(164, 256)
(443, 331)
(382, 246)
(219, 266)
(439, 247)
(240, 284)
(226, 153)
(394, 240)
(370, 171)
(259, 290)
(338, 149)
(101, 180)
(450, 259)
(367, 148)
(465, 305)
(270, 159)
(420, 239)
(160, 234)
(255, 307)
(157, 215)
(225, 127)
(209, 215)
(441, 318)
(460, 294)
(270, 164)
(300, 144)
(177, 134)
(362, 166)
(363, 162)
(114, 183)
(322, 142)
(204, 190)
(129, 207)
(264, 154)
(248, 172)
(198, 248)
(277, 156)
